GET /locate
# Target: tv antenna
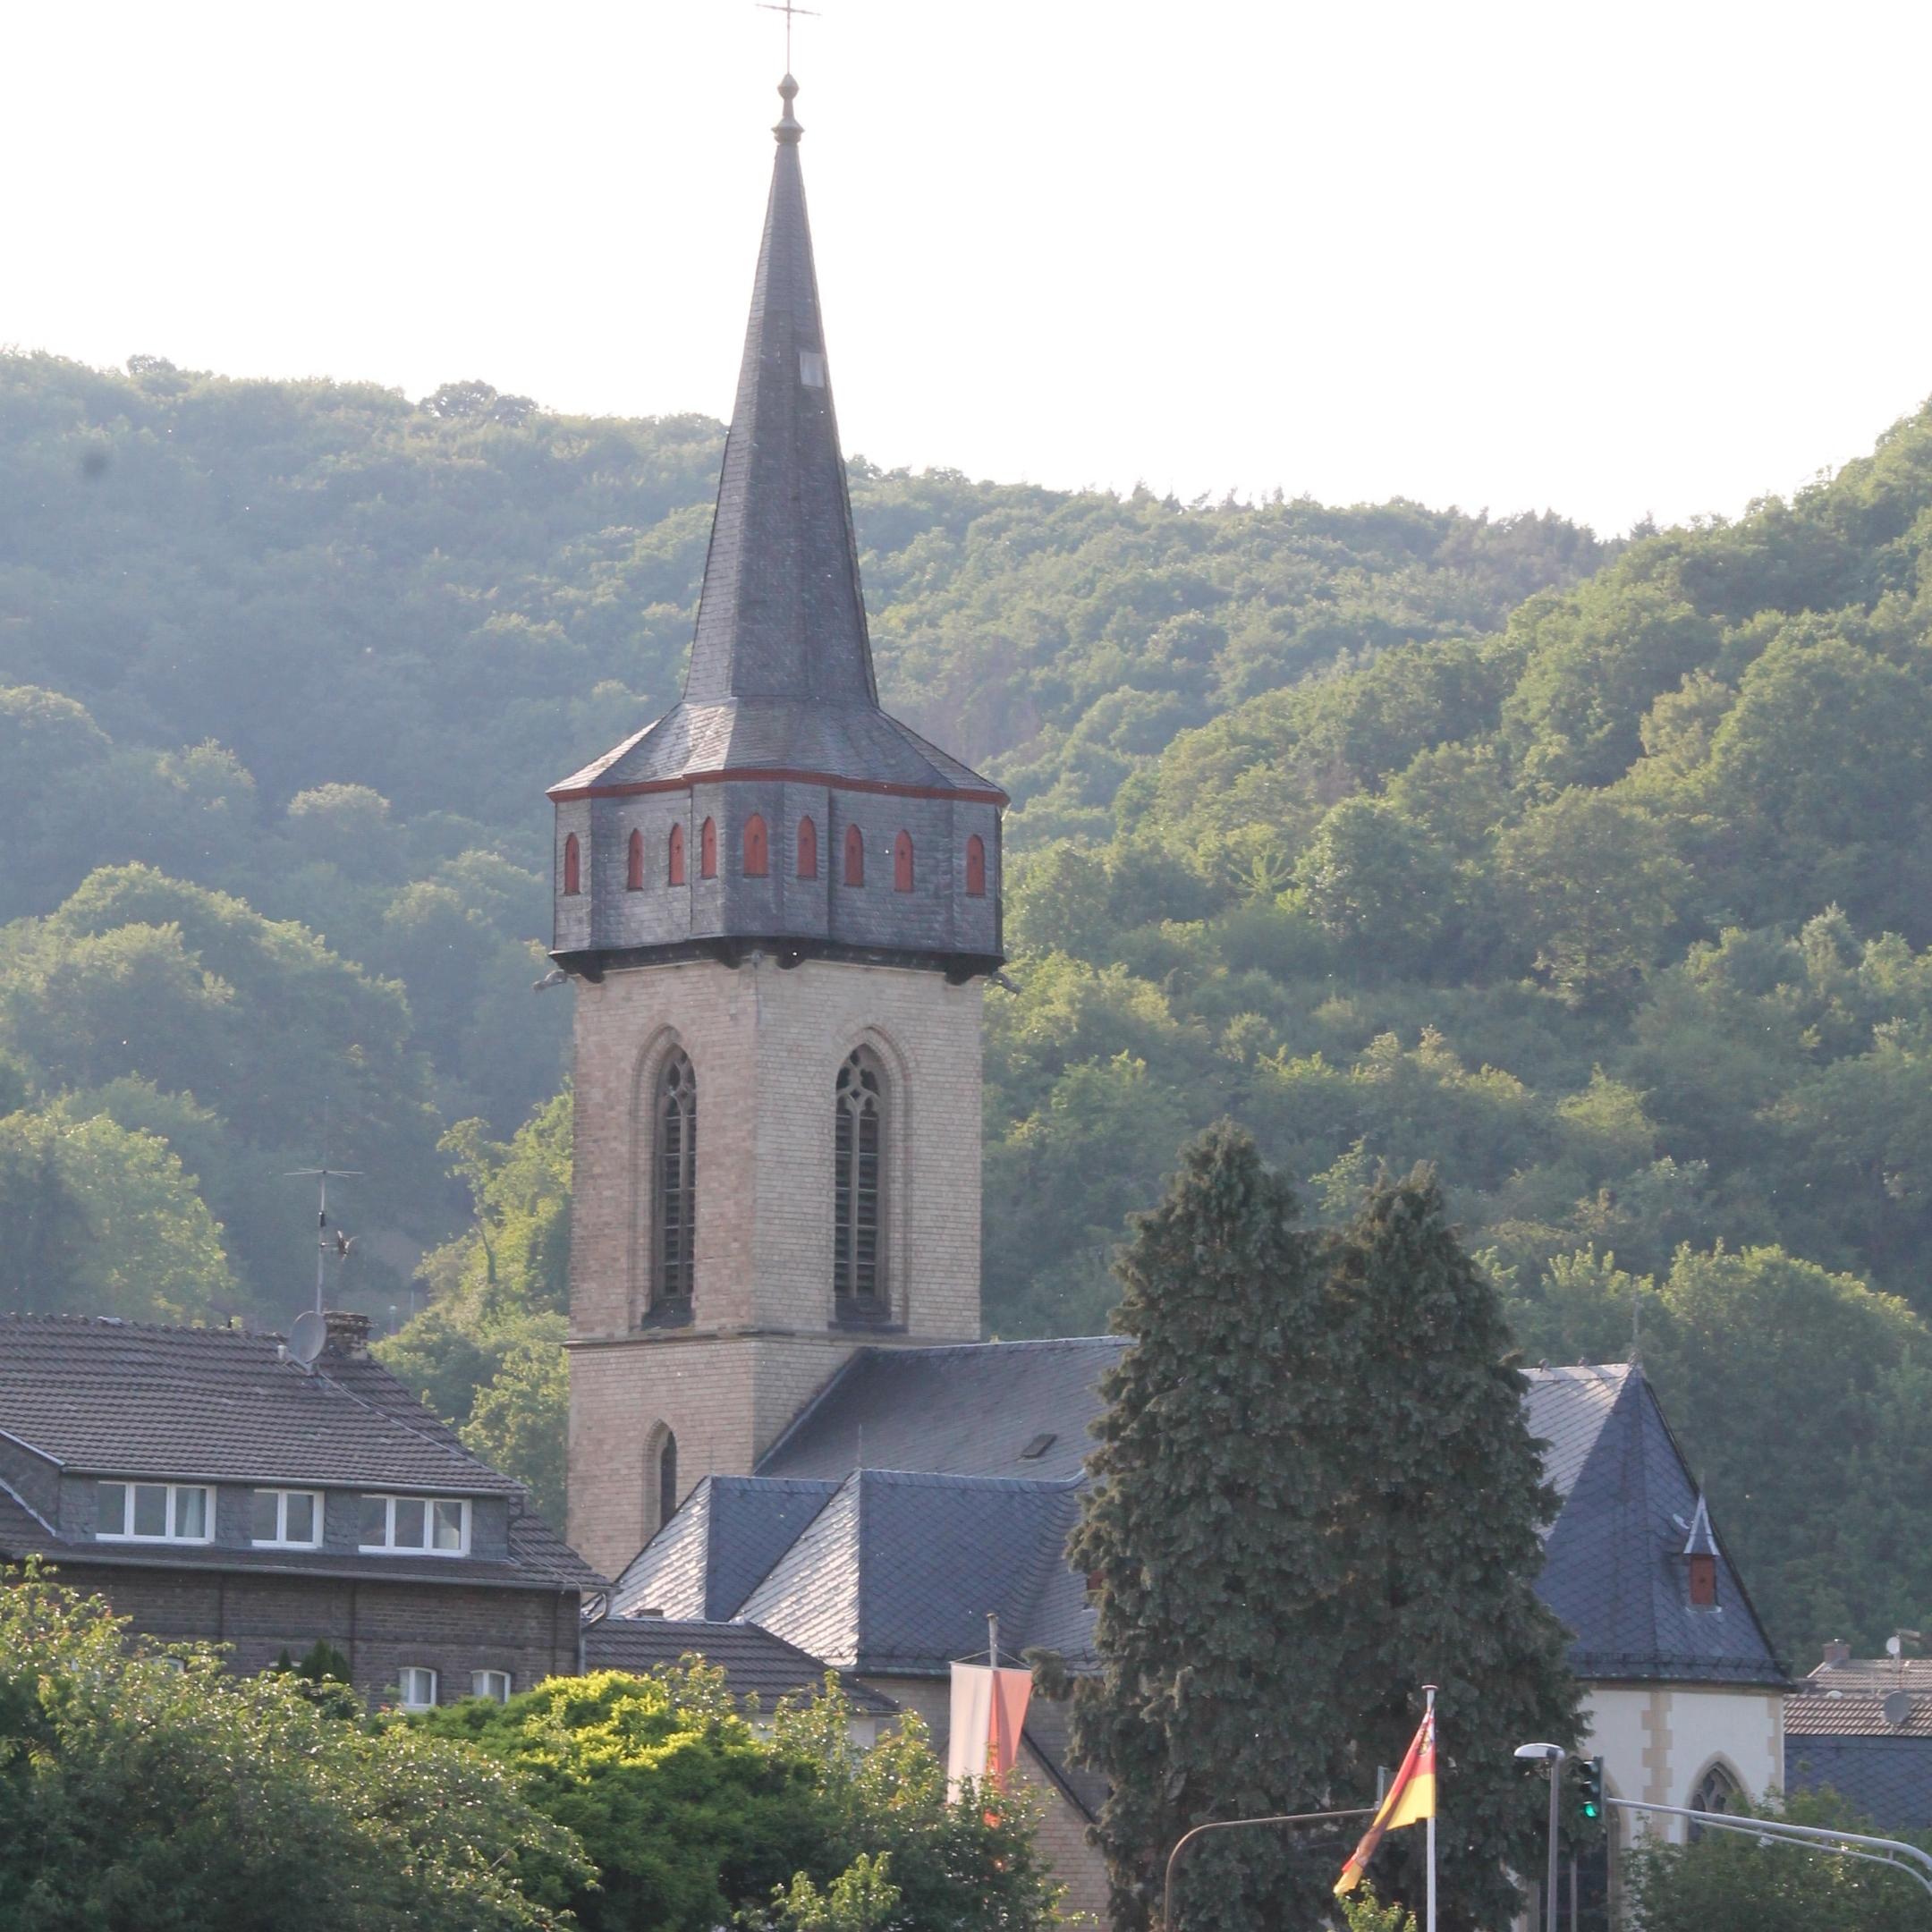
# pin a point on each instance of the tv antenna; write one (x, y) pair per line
(338, 1244)
(788, 10)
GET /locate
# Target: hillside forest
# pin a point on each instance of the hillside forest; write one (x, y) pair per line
(1595, 873)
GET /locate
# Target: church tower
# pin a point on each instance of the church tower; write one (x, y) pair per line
(777, 906)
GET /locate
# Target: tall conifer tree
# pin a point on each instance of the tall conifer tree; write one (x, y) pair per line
(1209, 1528)
(1445, 1547)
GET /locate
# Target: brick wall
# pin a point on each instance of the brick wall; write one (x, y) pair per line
(380, 1627)
(765, 1043)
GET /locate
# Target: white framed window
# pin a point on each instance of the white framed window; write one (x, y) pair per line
(417, 1686)
(288, 1519)
(153, 1513)
(493, 1684)
(416, 1526)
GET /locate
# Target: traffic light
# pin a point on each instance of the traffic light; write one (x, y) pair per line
(1588, 1799)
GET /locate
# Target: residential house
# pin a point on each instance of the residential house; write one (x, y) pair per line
(209, 1487)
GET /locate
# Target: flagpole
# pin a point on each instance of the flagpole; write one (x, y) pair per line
(1429, 1714)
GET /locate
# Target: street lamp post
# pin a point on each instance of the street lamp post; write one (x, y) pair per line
(1286, 1818)
(1551, 1755)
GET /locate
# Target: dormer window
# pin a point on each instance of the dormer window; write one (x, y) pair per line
(153, 1513)
(1700, 1560)
(287, 1519)
(415, 1526)
(811, 368)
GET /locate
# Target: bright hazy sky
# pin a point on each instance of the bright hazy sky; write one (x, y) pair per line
(1605, 259)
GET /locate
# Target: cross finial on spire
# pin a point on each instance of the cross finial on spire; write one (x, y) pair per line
(788, 10)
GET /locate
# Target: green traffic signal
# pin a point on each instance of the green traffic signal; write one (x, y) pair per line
(1590, 1804)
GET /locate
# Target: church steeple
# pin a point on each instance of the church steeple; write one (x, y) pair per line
(776, 808)
(779, 906)
(781, 614)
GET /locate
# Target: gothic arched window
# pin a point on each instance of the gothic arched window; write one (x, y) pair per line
(807, 849)
(674, 864)
(666, 1480)
(1717, 1790)
(634, 863)
(858, 1252)
(757, 859)
(854, 856)
(902, 862)
(573, 868)
(707, 850)
(674, 1187)
(975, 867)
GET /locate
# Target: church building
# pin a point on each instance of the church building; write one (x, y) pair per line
(780, 908)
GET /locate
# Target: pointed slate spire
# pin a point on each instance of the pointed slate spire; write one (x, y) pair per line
(781, 614)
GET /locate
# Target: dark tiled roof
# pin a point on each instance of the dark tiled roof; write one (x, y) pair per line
(755, 1663)
(966, 1410)
(535, 1546)
(1887, 1779)
(1614, 1571)
(726, 1534)
(898, 1570)
(948, 1519)
(125, 1399)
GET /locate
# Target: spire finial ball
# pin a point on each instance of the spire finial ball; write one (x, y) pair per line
(788, 130)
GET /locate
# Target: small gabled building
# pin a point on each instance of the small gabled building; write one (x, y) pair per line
(208, 1486)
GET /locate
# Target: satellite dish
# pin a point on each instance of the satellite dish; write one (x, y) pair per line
(307, 1337)
(1893, 1646)
(1897, 1708)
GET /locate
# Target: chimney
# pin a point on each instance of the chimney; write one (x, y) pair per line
(345, 1334)
(1836, 1653)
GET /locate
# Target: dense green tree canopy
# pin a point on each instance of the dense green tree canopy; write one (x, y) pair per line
(695, 1819)
(149, 1787)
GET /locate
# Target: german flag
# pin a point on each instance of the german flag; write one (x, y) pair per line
(1409, 1800)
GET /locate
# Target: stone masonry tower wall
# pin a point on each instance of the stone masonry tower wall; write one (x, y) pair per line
(763, 1332)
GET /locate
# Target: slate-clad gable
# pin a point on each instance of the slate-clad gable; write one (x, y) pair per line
(897, 1573)
(1615, 1570)
(715, 1552)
